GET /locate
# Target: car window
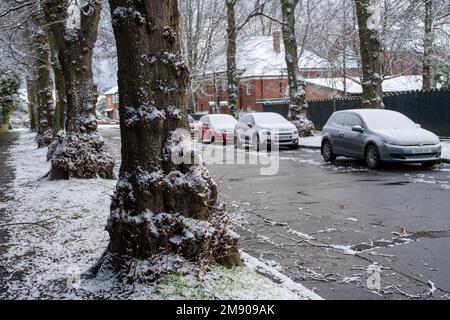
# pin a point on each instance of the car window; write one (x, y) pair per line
(339, 120)
(204, 119)
(352, 120)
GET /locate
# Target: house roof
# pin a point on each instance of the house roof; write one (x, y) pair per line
(402, 83)
(113, 90)
(256, 57)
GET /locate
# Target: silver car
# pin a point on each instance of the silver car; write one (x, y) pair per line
(378, 136)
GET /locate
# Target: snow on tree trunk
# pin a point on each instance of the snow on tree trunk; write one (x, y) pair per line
(44, 87)
(296, 83)
(428, 46)
(165, 215)
(371, 54)
(79, 152)
(233, 81)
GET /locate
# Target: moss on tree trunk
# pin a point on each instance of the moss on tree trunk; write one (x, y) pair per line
(80, 152)
(371, 55)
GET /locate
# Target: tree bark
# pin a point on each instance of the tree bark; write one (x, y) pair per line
(60, 102)
(31, 96)
(427, 76)
(371, 56)
(296, 83)
(80, 152)
(233, 81)
(44, 87)
(164, 212)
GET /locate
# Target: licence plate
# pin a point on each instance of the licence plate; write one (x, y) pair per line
(282, 137)
(421, 150)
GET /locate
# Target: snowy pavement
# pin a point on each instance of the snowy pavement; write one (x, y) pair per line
(56, 232)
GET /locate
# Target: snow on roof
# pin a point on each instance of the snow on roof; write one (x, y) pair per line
(256, 57)
(402, 83)
(113, 90)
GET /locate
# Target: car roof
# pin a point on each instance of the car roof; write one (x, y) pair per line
(367, 112)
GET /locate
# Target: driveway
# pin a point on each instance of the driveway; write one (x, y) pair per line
(325, 224)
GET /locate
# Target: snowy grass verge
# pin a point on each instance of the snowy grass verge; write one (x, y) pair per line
(56, 232)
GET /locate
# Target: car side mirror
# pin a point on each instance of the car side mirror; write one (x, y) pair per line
(418, 125)
(249, 124)
(357, 128)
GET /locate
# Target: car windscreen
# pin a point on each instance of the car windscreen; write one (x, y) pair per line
(222, 119)
(388, 120)
(268, 118)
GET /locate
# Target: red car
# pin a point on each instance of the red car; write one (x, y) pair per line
(216, 128)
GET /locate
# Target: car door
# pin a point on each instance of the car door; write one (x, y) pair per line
(336, 132)
(203, 128)
(242, 127)
(353, 144)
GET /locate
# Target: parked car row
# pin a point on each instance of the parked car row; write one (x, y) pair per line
(252, 130)
(373, 135)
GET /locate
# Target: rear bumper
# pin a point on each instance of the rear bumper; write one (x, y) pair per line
(410, 154)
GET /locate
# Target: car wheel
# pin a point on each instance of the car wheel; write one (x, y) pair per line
(236, 142)
(372, 157)
(327, 152)
(429, 164)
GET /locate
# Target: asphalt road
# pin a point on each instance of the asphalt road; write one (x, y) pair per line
(6, 177)
(324, 224)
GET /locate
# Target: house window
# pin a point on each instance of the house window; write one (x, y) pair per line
(248, 89)
(116, 98)
(224, 85)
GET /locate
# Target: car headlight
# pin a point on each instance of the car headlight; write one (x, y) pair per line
(295, 132)
(392, 143)
(266, 132)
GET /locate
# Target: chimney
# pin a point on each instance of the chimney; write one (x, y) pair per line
(277, 41)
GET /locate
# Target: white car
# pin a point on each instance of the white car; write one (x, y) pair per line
(265, 128)
(216, 128)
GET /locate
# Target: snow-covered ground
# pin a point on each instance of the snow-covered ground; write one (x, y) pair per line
(56, 232)
(313, 142)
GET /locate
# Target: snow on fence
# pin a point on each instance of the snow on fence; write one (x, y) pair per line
(430, 108)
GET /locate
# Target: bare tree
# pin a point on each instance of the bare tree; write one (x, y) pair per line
(297, 85)
(232, 77)
(165, 210)
(371, 54)
(44, 86)
(80, 152)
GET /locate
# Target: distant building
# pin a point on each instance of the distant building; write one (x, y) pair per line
(263, 75)
(112, 103)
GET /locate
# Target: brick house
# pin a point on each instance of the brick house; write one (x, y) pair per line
(263, 75)
(112, 103)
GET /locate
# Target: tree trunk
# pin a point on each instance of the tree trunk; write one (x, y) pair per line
(31, 96)
(164, 212)
(428, 46)
(371, 55)
(297, 85)
(44, 87)
(60, 103)
(80, 152)
(233, 81)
